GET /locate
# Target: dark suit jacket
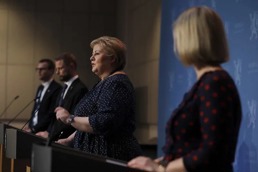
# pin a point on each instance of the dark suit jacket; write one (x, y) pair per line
(74, 94)
(47, 107)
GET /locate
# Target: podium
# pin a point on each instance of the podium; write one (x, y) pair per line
(61, 158)
(19, 147)
(29, 153)
(5, 163)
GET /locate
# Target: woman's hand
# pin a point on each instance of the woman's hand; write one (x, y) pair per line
(65, 141)
(145, 163)
(157, 160)
(62, 114)
(43, 134)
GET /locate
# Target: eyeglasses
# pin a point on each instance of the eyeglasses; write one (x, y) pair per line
(40, 69)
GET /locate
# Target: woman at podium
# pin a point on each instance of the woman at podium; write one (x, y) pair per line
(105, 116)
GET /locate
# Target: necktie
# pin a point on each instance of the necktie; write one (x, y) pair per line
(61, 99)
(37, 105)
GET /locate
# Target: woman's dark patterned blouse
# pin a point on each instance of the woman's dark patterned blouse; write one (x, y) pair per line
(110, 106)
(205, 126)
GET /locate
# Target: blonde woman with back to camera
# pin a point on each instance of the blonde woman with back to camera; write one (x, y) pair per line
(202, 132)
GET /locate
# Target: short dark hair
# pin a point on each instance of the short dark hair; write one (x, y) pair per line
(68, 59)
(50, 63)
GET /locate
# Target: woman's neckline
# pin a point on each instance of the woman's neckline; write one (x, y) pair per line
(114, 73)
(201, 72)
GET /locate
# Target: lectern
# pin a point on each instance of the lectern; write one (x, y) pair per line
(19, 146)
(60, 158)
(5, 163)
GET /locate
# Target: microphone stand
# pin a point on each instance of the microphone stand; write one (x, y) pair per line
(58, 127)
(25, 124)
(7, 107)
(20, 112)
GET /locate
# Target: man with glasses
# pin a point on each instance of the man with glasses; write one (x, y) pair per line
(73, 90)
(45, 98)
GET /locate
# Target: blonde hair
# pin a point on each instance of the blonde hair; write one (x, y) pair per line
(112, 47)
(199, 38)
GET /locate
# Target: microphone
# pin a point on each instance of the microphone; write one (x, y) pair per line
(33, 100)
(7, 107)
(25, 123)
(57, 128)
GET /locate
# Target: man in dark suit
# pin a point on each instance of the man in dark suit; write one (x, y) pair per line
(45, 98)
(74, 89)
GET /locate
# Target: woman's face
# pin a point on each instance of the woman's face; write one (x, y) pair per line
(100, 62)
